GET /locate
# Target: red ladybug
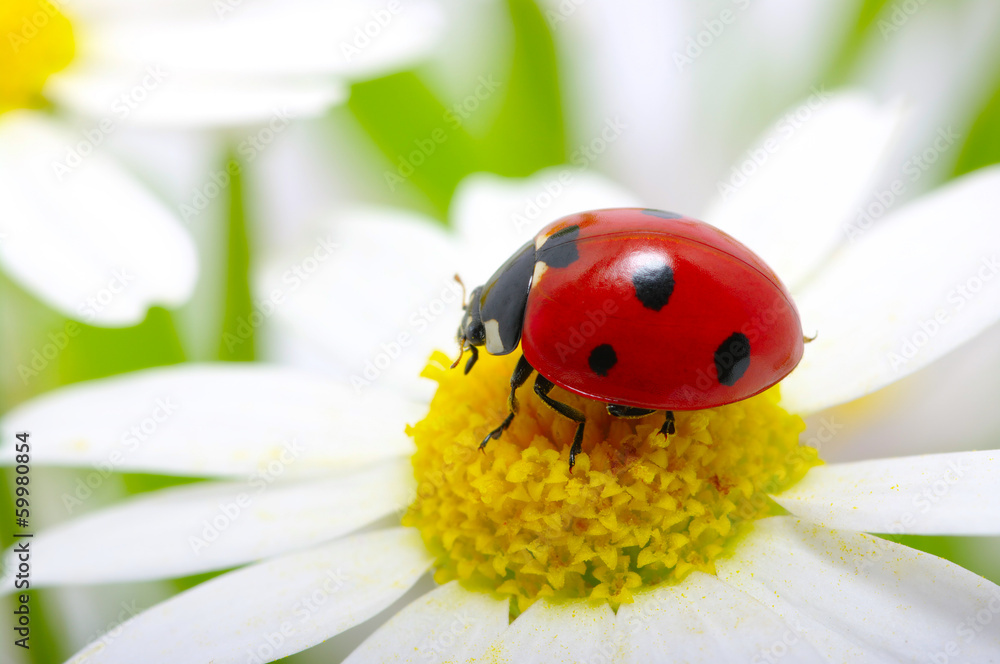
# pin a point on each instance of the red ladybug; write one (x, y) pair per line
(642, 309)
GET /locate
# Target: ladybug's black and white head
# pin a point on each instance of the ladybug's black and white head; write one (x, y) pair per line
(495, 312)
(471, 330)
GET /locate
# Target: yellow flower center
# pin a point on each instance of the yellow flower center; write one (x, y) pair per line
(38, 41)
(637, 510)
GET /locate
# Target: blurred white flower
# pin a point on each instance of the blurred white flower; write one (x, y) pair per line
(321, 458)
(78, 229)
(696, 81)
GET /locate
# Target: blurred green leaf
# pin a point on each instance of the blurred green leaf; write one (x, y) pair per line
(238, 331)
(843, 66)
(958, 550)
(426, 142)
(529, 133)
(96, 352)
(136, 483)
(188, 582)
(982, 145)
(409, 124)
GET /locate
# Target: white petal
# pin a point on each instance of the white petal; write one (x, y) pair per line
(152, 95)
(920, 64)
(192, 529)
(860, 598)
(570, 632)
(265, 38)
(622, 70)
(182, 64)
(80, 232)
(377, 303)
(961, 389)
(223, 419)
(449, 622)
(937, 494)
(706, 620)
(791, 194)
(915, 286)
(272, 609)
(494, 215)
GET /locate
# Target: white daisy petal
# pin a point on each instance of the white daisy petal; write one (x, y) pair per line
(448, 624)
(495, 215)
(914, 287)
(860, 598)
(192, 529)
(568, 632)
(938, 494)
(238, 64)
(153, 95)
(791, 195)
(706, 620)
(634, 113)
(378, 302)
(267, 38)
(964, 387)
(83, 234)
(211, 420)
(272, 609)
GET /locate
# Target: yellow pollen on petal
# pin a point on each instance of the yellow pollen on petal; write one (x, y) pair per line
(637, 510)
(37, 42)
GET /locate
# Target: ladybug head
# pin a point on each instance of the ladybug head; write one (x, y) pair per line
(495, 311)
(471, 331)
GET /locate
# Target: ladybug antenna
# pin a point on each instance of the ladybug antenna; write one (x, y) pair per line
(464, 304)
(807, 340)
(461, 348)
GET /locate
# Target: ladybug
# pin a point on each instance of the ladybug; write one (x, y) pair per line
(642, 309)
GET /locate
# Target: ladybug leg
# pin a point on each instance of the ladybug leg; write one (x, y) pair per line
(668, 423)
(616, 410)
(472, 360)
(520, 376)
(542, 388)
(628, 412)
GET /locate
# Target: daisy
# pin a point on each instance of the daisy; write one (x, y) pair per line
(80, 231)
(650, 550)
(696, 81)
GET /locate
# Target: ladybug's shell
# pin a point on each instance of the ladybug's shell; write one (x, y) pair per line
(651, 310)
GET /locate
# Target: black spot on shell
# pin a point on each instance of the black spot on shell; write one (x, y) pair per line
(732, 358)
(663, 214)
(602, 359)
(654, 283)
(559, 250)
